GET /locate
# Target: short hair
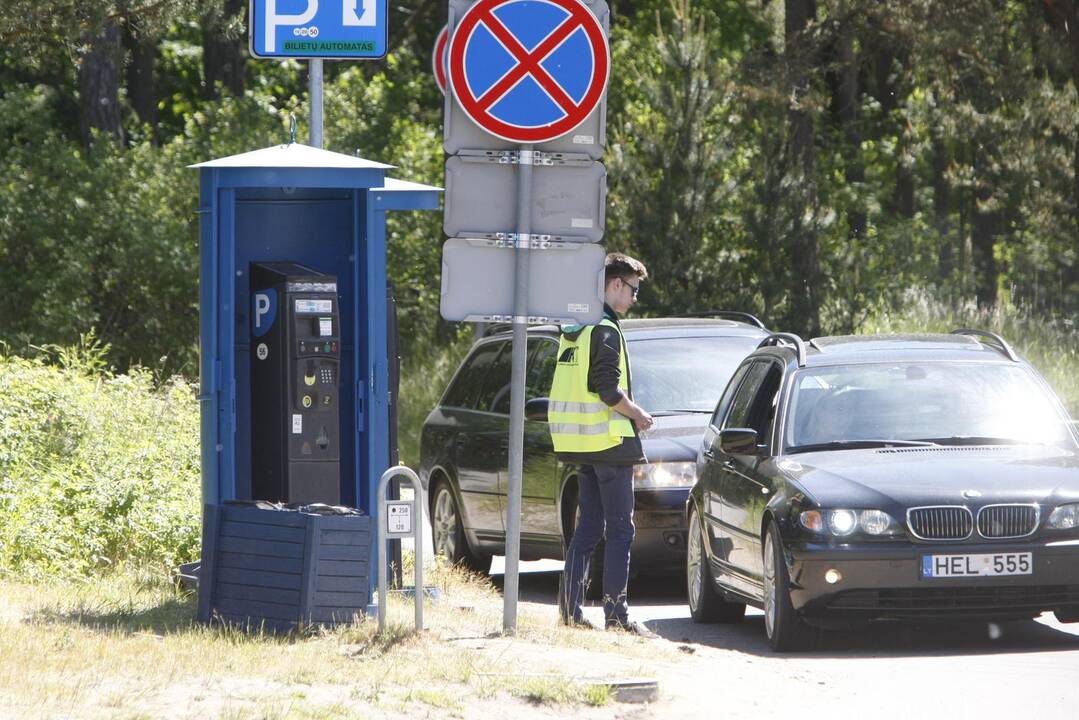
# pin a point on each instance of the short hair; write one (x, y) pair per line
(618, 265)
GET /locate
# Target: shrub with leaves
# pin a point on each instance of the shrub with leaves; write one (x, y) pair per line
(98, 472)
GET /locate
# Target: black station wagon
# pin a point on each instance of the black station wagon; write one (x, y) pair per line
(885, 477)
(679, 367)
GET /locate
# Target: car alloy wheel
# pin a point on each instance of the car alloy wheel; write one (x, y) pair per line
(784, 627)
(693, 564)
(706, 603)
(444, 524)
(769, 586)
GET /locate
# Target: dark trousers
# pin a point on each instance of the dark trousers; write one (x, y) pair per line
(605, 498)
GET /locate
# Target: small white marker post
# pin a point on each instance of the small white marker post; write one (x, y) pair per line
(399, 519)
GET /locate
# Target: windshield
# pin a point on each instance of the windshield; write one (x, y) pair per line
(942, 403)
(685, 374)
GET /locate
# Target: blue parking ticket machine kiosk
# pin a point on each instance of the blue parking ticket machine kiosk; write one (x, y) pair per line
(295, 368)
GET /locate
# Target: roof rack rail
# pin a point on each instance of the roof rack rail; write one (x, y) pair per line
(491, 328)
(790, 339)
(1001, 344)
(728, 314)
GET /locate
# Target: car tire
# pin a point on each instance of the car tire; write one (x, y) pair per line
(448, 532)
(785, 629)
(1071, 615)
(706, 604)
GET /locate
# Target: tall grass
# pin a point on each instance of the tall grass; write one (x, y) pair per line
(1050, 345)
(423, 379)
(97, 471)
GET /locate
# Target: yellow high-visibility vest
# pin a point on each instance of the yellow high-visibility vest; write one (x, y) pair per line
(579, 420)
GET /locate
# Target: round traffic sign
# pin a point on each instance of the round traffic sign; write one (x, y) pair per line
(438, 57)
(528, 71)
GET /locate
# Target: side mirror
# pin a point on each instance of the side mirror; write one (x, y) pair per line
(738, 441)
(536, 409)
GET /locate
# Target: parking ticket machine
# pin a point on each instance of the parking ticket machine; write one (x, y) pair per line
(295, 385)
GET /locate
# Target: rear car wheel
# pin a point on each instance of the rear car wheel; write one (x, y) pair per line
(706, 605)
(448, 532)
(785, 629)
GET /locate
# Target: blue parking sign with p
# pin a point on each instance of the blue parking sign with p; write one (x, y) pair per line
(337, 29)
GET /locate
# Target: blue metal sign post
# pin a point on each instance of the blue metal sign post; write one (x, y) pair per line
(327, 29)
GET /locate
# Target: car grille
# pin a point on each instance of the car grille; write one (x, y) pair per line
(914, 602)
(1007, 521)
(947, 522)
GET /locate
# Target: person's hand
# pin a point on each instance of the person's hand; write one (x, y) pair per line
(644, 420)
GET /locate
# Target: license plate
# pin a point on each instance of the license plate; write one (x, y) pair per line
(991, 564)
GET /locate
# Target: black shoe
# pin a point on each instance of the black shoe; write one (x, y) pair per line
(582, 624)
(634, 628)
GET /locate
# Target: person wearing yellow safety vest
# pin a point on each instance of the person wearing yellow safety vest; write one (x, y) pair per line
(594, 423)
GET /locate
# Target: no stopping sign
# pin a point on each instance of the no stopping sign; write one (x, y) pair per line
(528, 71)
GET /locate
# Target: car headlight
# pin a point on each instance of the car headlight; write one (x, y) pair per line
(665, 475)
(877, 522)
(1064, 517)
(844, 522)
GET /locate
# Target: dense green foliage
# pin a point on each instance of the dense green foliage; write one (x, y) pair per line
(98, 472)
(808, 160)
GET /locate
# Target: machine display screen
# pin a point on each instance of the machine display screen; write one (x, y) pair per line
(314, 306)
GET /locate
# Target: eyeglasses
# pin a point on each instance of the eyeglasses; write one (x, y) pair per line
(635, 288)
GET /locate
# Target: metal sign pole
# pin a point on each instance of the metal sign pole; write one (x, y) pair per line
(314, 93)
(517, 390)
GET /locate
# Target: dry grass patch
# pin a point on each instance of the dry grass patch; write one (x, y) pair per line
(125, 648)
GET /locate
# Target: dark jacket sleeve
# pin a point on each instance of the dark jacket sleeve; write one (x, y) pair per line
(603, 374)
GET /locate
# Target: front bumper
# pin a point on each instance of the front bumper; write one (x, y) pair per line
(659, 542)
(884, 581)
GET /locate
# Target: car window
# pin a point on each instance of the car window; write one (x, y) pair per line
(739, 414)
(685, 373)
(495, 396)
(944, 402)
(763, 410)
(728, 395)
(541, 363)
(468, 384)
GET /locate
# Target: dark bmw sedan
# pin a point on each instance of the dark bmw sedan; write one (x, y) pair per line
(679, 367)
(885, 477)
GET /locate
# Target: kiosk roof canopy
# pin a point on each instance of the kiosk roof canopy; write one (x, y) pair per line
(294, 155)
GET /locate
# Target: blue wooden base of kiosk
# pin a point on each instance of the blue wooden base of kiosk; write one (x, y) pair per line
(282, 570)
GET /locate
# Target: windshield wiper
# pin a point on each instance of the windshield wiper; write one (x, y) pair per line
(858, 445)
(978, 440)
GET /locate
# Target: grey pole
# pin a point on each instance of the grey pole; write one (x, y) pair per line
(314, 93)
(517, 390)
(418, 503)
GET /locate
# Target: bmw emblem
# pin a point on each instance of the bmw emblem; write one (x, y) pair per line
(971, 494)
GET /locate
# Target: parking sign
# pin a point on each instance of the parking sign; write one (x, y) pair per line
(337, 29)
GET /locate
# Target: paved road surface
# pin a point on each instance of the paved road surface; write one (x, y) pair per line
(975, 670)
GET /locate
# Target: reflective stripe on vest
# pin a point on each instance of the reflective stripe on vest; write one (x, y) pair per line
(579, 421)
